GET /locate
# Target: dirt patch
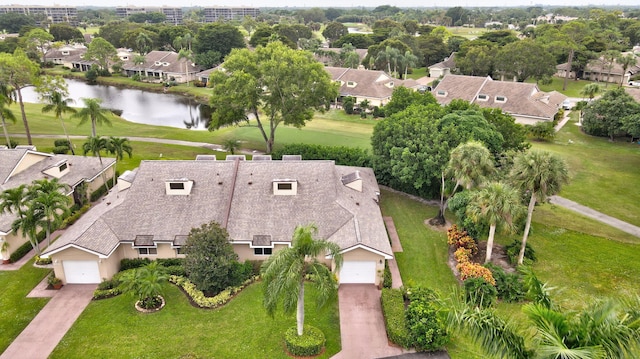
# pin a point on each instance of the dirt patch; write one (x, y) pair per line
(437, 227)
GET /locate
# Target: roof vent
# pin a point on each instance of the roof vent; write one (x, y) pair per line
(236, 157)
(353, 181)
(262, 158)
(292, 157)
(178, 187)
(206, 158)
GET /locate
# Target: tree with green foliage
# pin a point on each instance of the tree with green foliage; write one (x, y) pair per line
(65, 32)
(402, 97)
(497, 204)
(603, 117)
(146, 284)
(28, 224)
(54, 92)
(591, 90)
(359, 41)
(12, 22)
(470, 164)
(37, 41)
(93, 111)
(283, 274)
(102, 52)
(95, 145)
(218, 37)
(476, 58)
(7, 96)
(49, 199)
(285, 85)
(17, 71)
(147, 17)
(334, 30)
(542, 131)
(626, 61)
(210, 259)
(524, 59)
(118, 146)
(540, 174)
(631, 125)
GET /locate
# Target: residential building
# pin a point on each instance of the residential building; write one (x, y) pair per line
(218, 13)
(52, 14)
(524, 101)
(259, 202)
(601, 70)
(372, 85)
(66, 55)
(444, 67)
(163, 66)
(25, 164)
(173, 14)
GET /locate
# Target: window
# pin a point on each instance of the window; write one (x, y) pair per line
(148, 251)
(441, 93)
(501, 99)
(176, 185)
(351, 84)
(62, 167)
(482, 97)
(263, 251)
(285, 186)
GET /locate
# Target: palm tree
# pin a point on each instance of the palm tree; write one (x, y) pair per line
(13, 200)
(410, 60)
(46, 196)
(230, 145)
(541, 174)
(119, 146)
(146, 284)
(284, 273)
(95, 145)
(188, 56)
(59, 105)
(28, 223)
(499, 205)
(609, 59)
(92, 111)
(626, 61)
(590, 90)
(469, 164)
(7, 97)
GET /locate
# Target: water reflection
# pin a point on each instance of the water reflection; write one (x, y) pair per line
(139, 106)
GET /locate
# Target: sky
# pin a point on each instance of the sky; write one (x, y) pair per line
(325, 3)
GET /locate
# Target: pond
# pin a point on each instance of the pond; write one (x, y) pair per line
(138, 106)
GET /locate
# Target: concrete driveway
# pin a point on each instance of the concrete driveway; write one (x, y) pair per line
(362, 325)
(44, 332)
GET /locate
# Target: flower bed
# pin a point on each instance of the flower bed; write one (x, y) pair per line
(200, 300)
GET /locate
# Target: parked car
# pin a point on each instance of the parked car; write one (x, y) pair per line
(634, 83)
(567, 105)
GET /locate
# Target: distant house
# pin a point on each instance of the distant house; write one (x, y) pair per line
(203, 76)
(634, 92)
(372, 85)
(66, 55)
(163, 66)
(327, 55)
(524, 101)
(600, 70)
(259, 202)
(443, 67)
(24, 165)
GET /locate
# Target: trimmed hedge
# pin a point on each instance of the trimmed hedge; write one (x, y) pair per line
(132, 263)
(387, 280)
(25, 248)
(75, 216)
(310, 343)
(342, 155)
(95, 195)
(394, 317)
(202, 301)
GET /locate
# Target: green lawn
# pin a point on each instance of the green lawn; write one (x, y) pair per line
(573, 87)
(16, 311)
(241, 329)
(604, 175)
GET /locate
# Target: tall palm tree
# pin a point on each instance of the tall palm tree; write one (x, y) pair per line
(188, 56)
(626, 61)
(13, 200)
(469, 165)
(498, 204)
(541, 174)
(59, 105)
(95, 145)
(609, 59)
(7, 97)
(94, 112)
(410, 60)
(28, 224)
(284, 273)
(118, 146)
(590, 90)
(47, 197)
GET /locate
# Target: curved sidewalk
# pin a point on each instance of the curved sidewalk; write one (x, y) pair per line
(598, 216)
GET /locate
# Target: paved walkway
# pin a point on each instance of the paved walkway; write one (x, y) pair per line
(564, 121)
(396, 247)
(362, 329)
(598, 216)
(45, 331)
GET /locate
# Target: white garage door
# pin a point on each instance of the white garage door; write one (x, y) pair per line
(81, 272)
(358, 272)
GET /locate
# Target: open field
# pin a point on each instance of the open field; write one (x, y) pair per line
(241, 329)
(573, 87)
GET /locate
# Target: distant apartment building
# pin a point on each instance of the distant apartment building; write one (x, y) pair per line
(173, 14)
(52, 14)
(213, 14)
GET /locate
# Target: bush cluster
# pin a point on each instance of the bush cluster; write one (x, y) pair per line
(25, 248)
(466, 247)
(109, 288)
(202, 301)
(43, 261)
(513, 251)
(387, 280)
(95, 195)
(479, 292)
(342, 155)
(310, 343)
(509, 286)
(392, 302)
(132, 263)
(72, 218)
(427, 330)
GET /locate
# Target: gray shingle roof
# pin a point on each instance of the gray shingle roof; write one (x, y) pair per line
(368, 83)
(256, 215)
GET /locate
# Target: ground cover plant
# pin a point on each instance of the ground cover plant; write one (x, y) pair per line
(239, 329)
(17, 311)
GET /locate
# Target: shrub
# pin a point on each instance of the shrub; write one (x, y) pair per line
(377, 112)
(43, 261)
(394, 318)
(542, 131)
(71, 219)
(13, 143)
(475, 270)
(25, 248)
(428, 332)
(460, 239)
(170, 262)
(462, 255)
(513, 251)
(61, 142)
(106, 293)
(136, 77)
(60, 150)
(342, 155)
(256, 266)
(479, 292)
(132, 263)
(420, 294)
(175, 270)
(95, 195)
(308, 344)
(348, 104)
(387, 280)
(509, 286)
(202, 301)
